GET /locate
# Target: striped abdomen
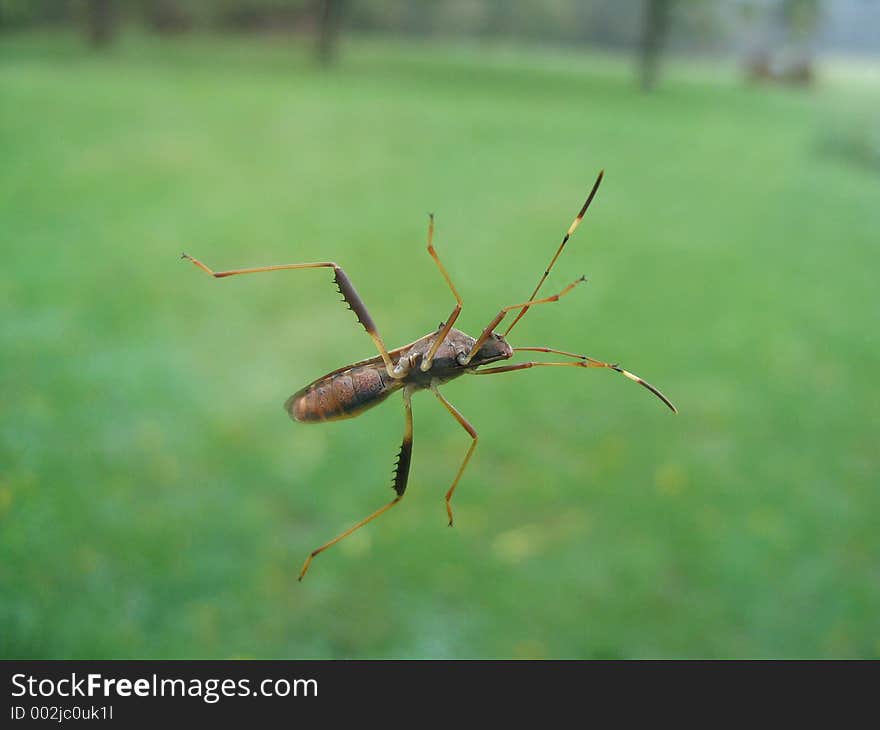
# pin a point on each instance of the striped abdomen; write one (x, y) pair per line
(342, 394)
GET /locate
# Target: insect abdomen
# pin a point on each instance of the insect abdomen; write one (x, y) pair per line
(341, 395)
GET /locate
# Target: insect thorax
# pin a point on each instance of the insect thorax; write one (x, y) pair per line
(446, 364)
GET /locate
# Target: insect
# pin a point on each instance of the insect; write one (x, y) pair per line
(426, 364)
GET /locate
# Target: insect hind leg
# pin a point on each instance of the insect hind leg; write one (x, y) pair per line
(343, 283)
(401, 477)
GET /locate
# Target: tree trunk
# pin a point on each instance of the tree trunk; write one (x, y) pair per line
(101, 22)
(329, 18)
(656, 22)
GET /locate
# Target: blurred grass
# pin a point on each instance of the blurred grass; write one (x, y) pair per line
(155, 501)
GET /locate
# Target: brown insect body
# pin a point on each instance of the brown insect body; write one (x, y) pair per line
(426, 363)
(349, 391)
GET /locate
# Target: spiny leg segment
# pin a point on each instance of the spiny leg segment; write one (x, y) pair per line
(467, 457)
(571, 229)
(401, 476)
(584, 362)
(450, 320)
(346, 288)
(485, 334)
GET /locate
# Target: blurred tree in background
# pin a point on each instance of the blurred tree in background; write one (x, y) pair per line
(801, 20)
(167, 16)
(329, 15)
(777, 38)
(653, 32)
(101, 21)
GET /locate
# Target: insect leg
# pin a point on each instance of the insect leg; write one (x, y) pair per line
(450, 320)
(467, 457)
(346, 288)
(571, 230)
(401, 476)
(484, 335)
(584, 362)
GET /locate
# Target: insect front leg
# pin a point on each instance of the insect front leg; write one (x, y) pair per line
(571, 229)
(450, 320)
(346, 288)
(490, 328)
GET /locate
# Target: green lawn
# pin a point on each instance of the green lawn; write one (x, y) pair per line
(155, 500)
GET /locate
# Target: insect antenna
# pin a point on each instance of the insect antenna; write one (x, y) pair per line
(571, 229)
(583, 361)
